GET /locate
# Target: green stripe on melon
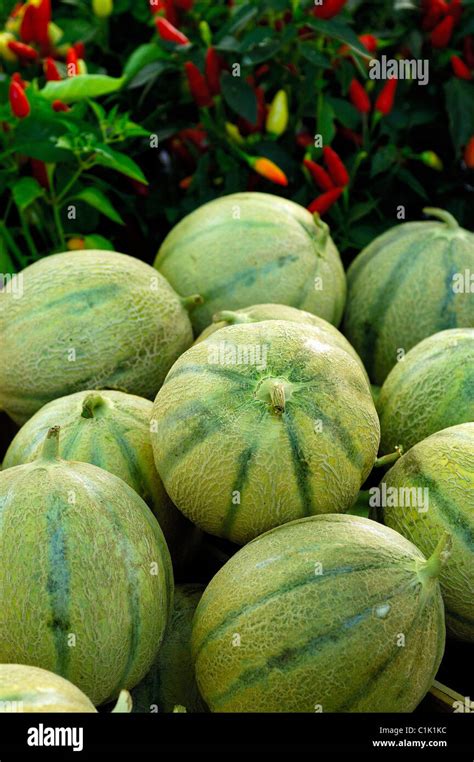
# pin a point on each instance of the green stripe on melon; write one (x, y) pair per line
(110, 430)
(430, 390)
(405, 286)
(241, 248)
(443, 466)
(84, 556)
(171, 680)
(87, 320)
(329, 613)
(244, 447)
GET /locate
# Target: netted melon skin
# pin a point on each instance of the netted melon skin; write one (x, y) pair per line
(431, 389)
(444, 465)
(171, 681)
(86, 582)
(113, 434)
(35, 690)
(235, 467)
(240, 249)
(401, 290)
(323, 614)
(261, 312)
(87, 320)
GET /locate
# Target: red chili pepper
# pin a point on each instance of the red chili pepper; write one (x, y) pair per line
(348, 134)
(18, 101)
(197, 136)
(171, 13)
(328, 9)
(59, 106)
(184, 5)
(80, 49)
(359, 97)
(27, 26)
(469, 154)
(336, 167)
(434, 11)
(25, 52)
(369, 42)
(323, 203)
(468, 51)
(42, 20)
(304, 139)
(386, 97)
(169, 33)
(71, 62)
(140, 188)
(455, 10)
(319, 175)
(156, 6)
(460, 69)
(40, 173)
(442, 33)
(16, 77)
(51, 70)
(198, 85)
(213, 70)
(261, 71)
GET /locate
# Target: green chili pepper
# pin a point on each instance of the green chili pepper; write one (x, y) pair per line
(277, 119)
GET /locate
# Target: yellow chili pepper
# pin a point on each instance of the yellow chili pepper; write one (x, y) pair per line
(233, 132)
(431, 159)
(102, 8)
(5, 52)
(277, 119)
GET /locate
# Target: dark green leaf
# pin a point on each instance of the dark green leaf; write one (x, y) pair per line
(345, 112)
(95, 198)
(149, 73)
(314, 57)
(325, 122)
(460, 107)
(119, 162)
(407, 177)
(384, 159)
(239, 21)
(141, 57)
(25, 191)
(239, 96)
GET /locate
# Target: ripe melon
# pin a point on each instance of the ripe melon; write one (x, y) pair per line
(406, 285)
(34, 690)
(86, 581)
(441, 468)
(171, 680)
(110, 430)
(431, 389)
(331, 613)
(261, 312)
(87, 320)
(239, 249)
(262, 424)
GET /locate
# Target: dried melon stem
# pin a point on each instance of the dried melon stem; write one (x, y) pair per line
(443, 216)
(50, 449)
(428, 571)
(275, 392)
(233, 318)
(91, 403)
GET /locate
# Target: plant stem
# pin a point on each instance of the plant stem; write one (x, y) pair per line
(22, 260)
(28, 237)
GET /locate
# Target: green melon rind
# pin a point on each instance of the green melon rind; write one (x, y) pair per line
(444, 464)
(238, 248)
(430, 390)
(37, 690)
(261, 312)
(171, 680)
(122, 320)
(83, 556)
(116, 437)
(218, 440)
(271, 633)
(400, 291)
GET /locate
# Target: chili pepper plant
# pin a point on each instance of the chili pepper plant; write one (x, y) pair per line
(118, 117)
